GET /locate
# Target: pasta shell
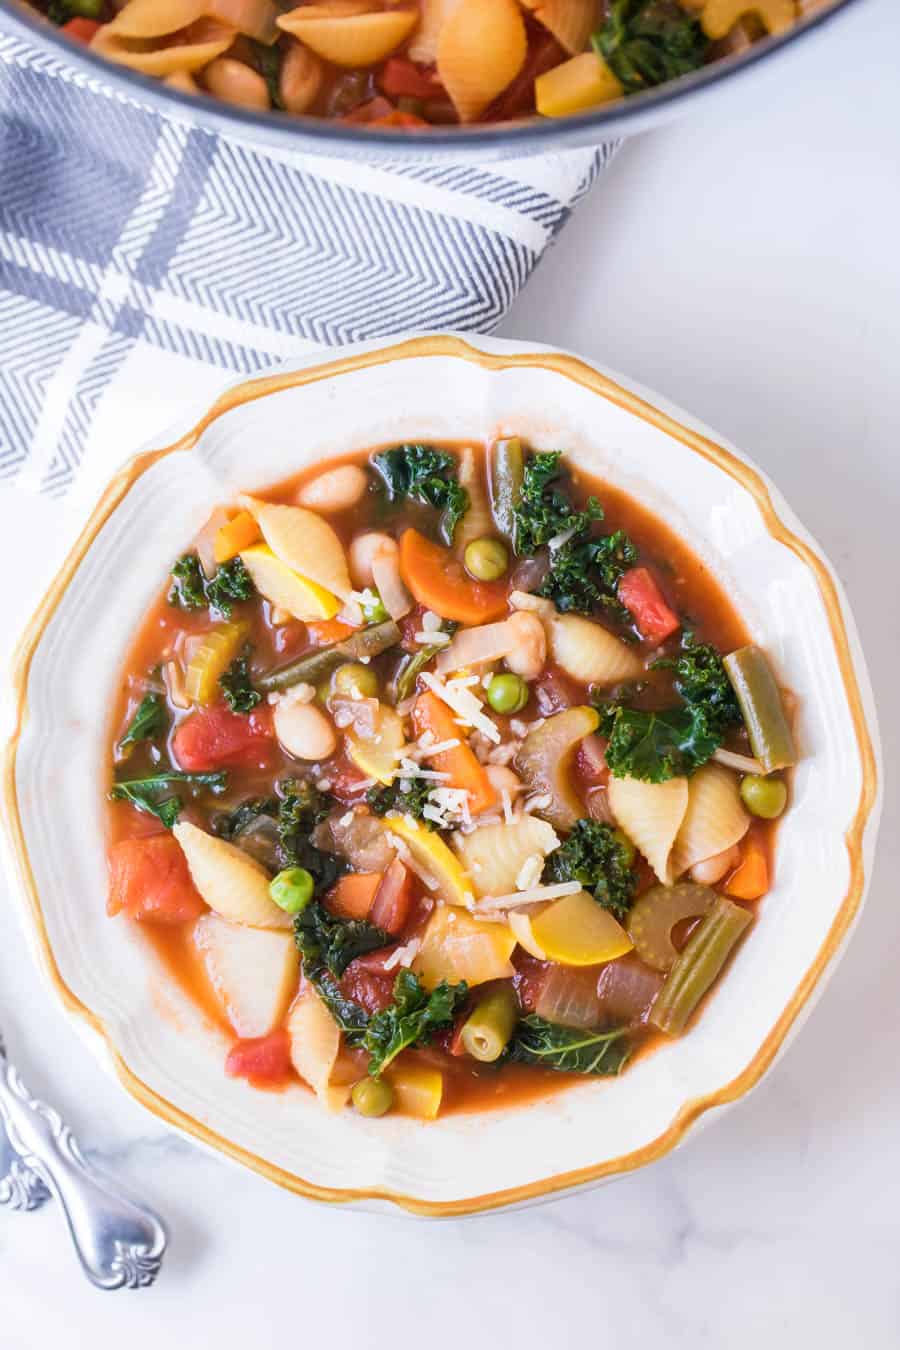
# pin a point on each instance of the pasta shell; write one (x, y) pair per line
(589, 653)
(304, 542)
(231, 882)
(252, 970)
(651, 816)
(570, 21)
(457, 947)
(482, 48)
(720, 16)
(350, 39)
(495, 855)
(166, 60)
(433, 14)
(714, 820)
(155, 18)
(315, 1043)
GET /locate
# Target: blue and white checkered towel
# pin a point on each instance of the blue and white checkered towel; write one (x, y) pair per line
(138, 254)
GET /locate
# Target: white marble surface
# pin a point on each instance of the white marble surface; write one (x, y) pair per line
(750, 272)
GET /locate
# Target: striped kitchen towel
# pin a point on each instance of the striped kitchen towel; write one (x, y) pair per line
(140, 256)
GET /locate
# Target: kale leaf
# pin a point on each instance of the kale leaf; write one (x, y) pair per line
(149, 720)
(238, 687)
(146, 793)
(427, 475)
(191, 590)
(300, 810)
(268, 63)
(647, 42)
(331, 943)
(412, 1018)
(655, 746)
(593, 855)
(536, 1041)
(701, 680)
(584, 568)
(412, 802)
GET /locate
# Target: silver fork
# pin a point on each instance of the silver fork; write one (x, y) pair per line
(120, 1244)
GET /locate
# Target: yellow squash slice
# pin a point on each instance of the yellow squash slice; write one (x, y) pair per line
(442, 873)
(287, 589)
(377, 755)
(576, 931)
(304, 542)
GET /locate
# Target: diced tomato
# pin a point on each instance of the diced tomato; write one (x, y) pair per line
(352, 895)
(262, 1059)
(347, 780)
(369, 112)
(213, 738)
(404, 79)
(393, 900)
(640, 594)
(554, 693)
(590, 761)
(80, 30)
(367, 983)
(149, 880)
(517, 99)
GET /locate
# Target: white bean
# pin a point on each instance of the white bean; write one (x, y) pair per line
(529, 653)
(234, 82)
(300, 79)
(303, 730)
(336, 490)
(363, 551)
(713, 869)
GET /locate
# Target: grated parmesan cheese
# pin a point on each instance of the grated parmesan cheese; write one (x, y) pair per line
(403, 956)
(530, 872)
(534, 895)
(456, 695)
(431, 639)
(537, 803)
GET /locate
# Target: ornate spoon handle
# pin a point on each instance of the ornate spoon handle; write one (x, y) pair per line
(119, 1243)
(20, 1188)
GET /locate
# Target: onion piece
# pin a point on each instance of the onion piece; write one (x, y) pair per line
(626, 989)
(740, 763)
(362, 839)
(475, 646)
(206, 541)
(386, 575)
(359, 713)
(569, 996)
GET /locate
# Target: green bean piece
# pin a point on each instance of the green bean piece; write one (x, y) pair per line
(315, 666)
(707, 950)
(507, 693)
(507, 472)
(374, 610)
(403, 683)
(488, 1028)
(354, 675)
(292, 889)
(89, 9)
(372, 1096)
(763, 797)
(760, 701)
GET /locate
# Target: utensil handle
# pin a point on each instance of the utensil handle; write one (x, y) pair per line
(119, 1243)
(20, 1187)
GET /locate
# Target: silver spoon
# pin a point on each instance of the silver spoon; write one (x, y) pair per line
(120, 1244)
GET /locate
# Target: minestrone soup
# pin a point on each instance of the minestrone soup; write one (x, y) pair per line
(442, 776)
(440, 62)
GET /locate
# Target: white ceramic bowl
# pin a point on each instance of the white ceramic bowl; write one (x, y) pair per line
(436, 387)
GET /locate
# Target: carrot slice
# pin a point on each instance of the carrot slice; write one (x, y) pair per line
(439, 581)
(430, 714)
(352, 895)
(234, 535)
(750, 880)
(326, 631)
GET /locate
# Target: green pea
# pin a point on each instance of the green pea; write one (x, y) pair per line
(486, 559)
(292, 889)
(764, 797)
(374, 610)
(629, 852)
(354, 675)
(507, 693)
(372, 1096)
